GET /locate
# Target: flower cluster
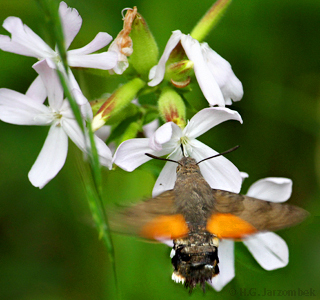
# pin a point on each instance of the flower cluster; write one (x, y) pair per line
(29, 109)
(184, 60)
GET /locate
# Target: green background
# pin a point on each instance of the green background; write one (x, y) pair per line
(49, 248)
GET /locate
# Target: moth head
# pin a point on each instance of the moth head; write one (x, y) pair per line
(195, 259)
(187, 165)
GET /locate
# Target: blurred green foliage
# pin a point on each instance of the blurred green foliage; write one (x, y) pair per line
(49, 248)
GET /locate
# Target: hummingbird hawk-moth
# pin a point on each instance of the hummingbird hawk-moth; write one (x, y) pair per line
(195, 217)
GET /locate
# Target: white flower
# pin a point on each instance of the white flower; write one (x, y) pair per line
(268, 248)
(25, 42)
(219, 172)
(16, 108)
(214, 74)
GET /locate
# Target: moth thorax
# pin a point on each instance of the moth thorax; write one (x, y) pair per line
(195, 259)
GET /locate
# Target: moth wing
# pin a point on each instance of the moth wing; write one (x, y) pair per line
(236, 216)
(155, 218)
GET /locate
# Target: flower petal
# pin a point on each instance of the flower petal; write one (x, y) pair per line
(72, 129)
(226, 265)
(150, 128)
(122, 60)
(206, 81)
(52, 83)
(84, 104)
(161, 67)
(37, 91)
(274, 189)
(167, 176)
(207, 118)
(74, 132)
(162, 135)
(101, 40)
(174, 142)
(23, 40)
(104, 132)
(16, 108)
(131, 154)
(103, 61)
(82, 101)
(105, 155)
(74, 84)
(71, 22)
(244, 175)
(269, 250)
(221, 70)
(219, 172)
(51, 158)
(152, 72)
(121, 65)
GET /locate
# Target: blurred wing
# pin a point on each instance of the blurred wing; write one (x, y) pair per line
(155, 218)
(236, 216)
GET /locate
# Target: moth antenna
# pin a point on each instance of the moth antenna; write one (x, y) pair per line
(160, 158)
(223, 153)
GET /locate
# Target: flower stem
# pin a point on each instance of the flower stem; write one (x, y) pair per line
(94, 190)
(210, 19)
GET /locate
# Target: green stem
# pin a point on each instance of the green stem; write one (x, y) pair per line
(50, 8)
(210, 19)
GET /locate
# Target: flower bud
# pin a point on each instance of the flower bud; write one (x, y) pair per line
(131, 131)
(145, 49)
(96, 104)
(117, 102)
(172, 107)
(179, 73)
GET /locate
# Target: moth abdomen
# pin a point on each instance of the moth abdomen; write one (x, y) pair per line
(195, 259)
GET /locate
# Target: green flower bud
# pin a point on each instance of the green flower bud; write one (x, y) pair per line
(179, 73)
(145, 49)
(117, 102)
(131, 110)
(131, 131)
(96, 104)
(172, 107)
